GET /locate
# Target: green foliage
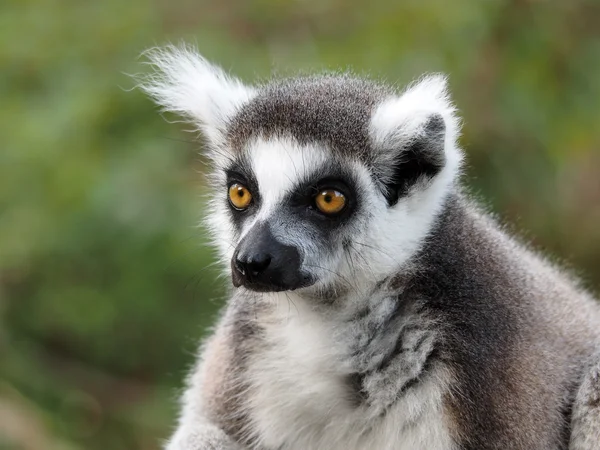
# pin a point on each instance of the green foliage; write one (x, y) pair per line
(105, 280)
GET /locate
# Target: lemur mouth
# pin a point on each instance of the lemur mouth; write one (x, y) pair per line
(253, 281)
(282, 284)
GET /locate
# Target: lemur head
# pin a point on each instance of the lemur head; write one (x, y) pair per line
(319, 183)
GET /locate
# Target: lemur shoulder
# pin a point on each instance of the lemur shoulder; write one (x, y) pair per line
(374, 305)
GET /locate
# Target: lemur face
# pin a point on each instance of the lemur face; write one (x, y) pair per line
(298, 213)
(316, 181)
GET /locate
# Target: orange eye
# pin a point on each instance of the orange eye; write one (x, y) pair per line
(239, 196)
(330, 201)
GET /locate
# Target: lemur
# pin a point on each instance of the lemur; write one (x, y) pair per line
(374, 304)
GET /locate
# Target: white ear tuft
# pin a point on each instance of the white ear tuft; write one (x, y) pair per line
(400, 118)
(185, 83)
(414, 135)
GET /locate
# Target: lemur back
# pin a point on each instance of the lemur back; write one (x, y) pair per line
(374, 305)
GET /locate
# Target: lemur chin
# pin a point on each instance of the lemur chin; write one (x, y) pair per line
(417, 322)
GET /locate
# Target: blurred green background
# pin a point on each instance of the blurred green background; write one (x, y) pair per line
(104, 285)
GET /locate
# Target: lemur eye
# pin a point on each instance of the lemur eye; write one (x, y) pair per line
(239, 196)
(330, 201)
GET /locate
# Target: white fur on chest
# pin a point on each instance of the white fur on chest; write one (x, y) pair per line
(301, 400)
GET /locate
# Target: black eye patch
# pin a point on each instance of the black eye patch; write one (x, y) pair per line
(302, 197)
(239, 172)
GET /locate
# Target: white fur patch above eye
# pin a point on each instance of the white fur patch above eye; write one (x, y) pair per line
(185, 83)
(281, 164)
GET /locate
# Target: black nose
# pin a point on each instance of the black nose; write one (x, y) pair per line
(252, 265)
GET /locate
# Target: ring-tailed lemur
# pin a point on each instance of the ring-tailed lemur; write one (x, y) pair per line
(375, 306)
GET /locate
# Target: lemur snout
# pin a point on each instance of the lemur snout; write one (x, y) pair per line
(263, 263)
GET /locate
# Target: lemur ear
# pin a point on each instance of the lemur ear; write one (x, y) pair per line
(414, 136)
(185, 83)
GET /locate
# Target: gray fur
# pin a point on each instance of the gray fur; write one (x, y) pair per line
(586, 410)
(333, 109)
(518, 332)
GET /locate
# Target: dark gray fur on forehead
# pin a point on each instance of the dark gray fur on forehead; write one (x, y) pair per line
(331, 109)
